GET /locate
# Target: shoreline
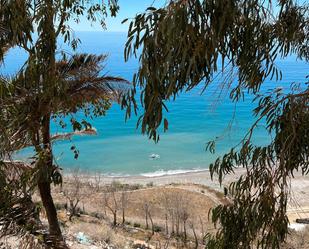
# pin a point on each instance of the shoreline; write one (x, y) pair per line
(298, 204)
(198, 176)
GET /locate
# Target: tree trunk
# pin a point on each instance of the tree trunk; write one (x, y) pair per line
(123, 216)
(177, 225)
(51, 212)
(195, 237)
(46, 60)
(173, 223)
(115, 219)
(166, 223)
(152, 225)
(146, 216)
(73, 211)
(185, 231)
(44, 186)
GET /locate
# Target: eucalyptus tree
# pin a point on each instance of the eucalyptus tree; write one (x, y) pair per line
(45, 89)
(188, 43)
(15, 25)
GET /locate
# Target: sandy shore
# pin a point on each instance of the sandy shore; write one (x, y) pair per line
(298, 206)
(200, 177)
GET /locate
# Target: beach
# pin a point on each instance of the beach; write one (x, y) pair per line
(298, 205)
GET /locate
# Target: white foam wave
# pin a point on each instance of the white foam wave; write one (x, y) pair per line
(162, 172)
(297, 226)
(116, 175)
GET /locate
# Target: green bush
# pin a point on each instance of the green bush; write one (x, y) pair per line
(157, 229)
(136, 224)
(149, 184)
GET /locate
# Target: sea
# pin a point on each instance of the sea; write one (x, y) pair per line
(195, 117)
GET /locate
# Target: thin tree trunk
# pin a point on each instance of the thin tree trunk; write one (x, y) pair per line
(44, 185)
(151, 221)
(146, 216)
(73, 211)
(195, 237)
(185, 231)
(173, 223)
(202, 229)
(166, 223)
(123, 216)
(115, 218)
(177, 225)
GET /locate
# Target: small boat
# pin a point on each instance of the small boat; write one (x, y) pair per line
(154, 156)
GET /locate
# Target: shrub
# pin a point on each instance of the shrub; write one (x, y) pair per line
(157, 229)
(60, 206)
(97, 215)
(135, 186)
(136, 224)
(149, 184)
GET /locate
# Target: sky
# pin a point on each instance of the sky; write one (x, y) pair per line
(128, 9)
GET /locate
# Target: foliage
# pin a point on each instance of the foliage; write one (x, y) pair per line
(187, 43)
(261, 196)
(80, 87)
(240, 38)
(15, 25)
(44, 89)
(18, 214)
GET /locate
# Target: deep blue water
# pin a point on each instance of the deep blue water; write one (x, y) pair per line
(194, 119)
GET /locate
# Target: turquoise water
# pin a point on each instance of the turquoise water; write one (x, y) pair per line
(194, 119)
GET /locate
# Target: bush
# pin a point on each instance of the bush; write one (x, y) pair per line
(136, 225)
(118, 186)
(157, 229)
(149, 184)
(60, 206)
(82, 211)
(135, 186)
(97, 215)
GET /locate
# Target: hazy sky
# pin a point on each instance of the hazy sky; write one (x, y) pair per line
(128, 9)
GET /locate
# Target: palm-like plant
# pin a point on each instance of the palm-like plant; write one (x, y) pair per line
(44, 88)
(28, 109)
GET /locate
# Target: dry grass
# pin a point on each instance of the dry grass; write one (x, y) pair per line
(194, 199)
(98, 232)
(297, 240)
(199, 203)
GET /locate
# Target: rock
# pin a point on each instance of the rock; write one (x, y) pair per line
(303, 221)
(83, 239)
